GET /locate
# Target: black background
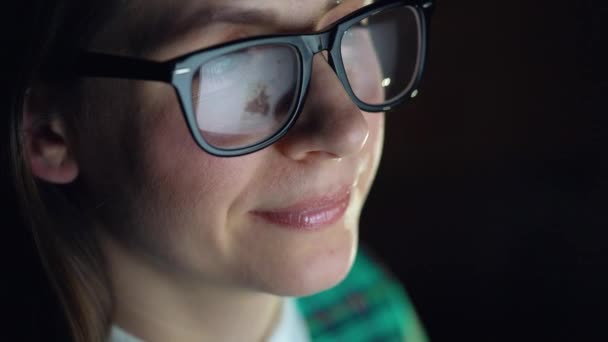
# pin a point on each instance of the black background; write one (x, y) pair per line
(490, 203)
(492, 195)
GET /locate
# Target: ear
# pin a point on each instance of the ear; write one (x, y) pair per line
(46, 142)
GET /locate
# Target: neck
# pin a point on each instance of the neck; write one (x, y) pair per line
(156, 306)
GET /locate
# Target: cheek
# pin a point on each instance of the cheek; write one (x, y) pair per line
(187, 184)
(367, 166)
(180, 198)
(171, 158)
(373, 147)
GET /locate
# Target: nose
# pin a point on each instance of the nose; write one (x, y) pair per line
(330, 124)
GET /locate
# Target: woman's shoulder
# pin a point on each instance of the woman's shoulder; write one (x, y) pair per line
(368, 305)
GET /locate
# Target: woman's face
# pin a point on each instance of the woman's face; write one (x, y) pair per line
(283, 220)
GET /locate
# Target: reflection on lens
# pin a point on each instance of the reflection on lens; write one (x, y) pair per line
(246, 96)
(381, 54)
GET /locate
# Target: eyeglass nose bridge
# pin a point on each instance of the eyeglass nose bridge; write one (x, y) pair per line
(318, 42)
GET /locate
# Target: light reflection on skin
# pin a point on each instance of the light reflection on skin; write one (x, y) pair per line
(176, 228)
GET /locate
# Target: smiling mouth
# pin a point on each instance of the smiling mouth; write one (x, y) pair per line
(308, 215)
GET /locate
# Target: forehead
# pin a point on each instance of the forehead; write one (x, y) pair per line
(135, 22)
(294, 9)
(294, 12)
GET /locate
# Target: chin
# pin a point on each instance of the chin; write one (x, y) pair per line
(313, 264)
(323, 274)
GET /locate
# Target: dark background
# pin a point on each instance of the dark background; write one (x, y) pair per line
(492, 195)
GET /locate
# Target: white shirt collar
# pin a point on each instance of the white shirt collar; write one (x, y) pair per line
(291, 327)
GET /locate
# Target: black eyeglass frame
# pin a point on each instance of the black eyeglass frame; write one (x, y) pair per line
(180, 71)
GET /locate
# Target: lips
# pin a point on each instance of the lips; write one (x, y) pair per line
(310, 214)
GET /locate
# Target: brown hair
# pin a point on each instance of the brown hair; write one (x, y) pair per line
(49, 230)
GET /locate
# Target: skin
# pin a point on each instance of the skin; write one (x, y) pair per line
(186, 258)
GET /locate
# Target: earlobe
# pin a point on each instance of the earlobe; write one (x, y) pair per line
(47, 149)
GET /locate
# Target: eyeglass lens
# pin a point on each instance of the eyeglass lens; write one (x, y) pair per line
(381, 55)
(246, 96)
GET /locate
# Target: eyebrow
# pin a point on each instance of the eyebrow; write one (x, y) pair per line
(168, 25)
(238, 15)
(227, 14)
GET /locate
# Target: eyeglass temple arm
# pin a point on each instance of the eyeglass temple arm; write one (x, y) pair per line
(93, 64)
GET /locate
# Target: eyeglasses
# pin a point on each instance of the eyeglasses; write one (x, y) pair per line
(242, 96)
